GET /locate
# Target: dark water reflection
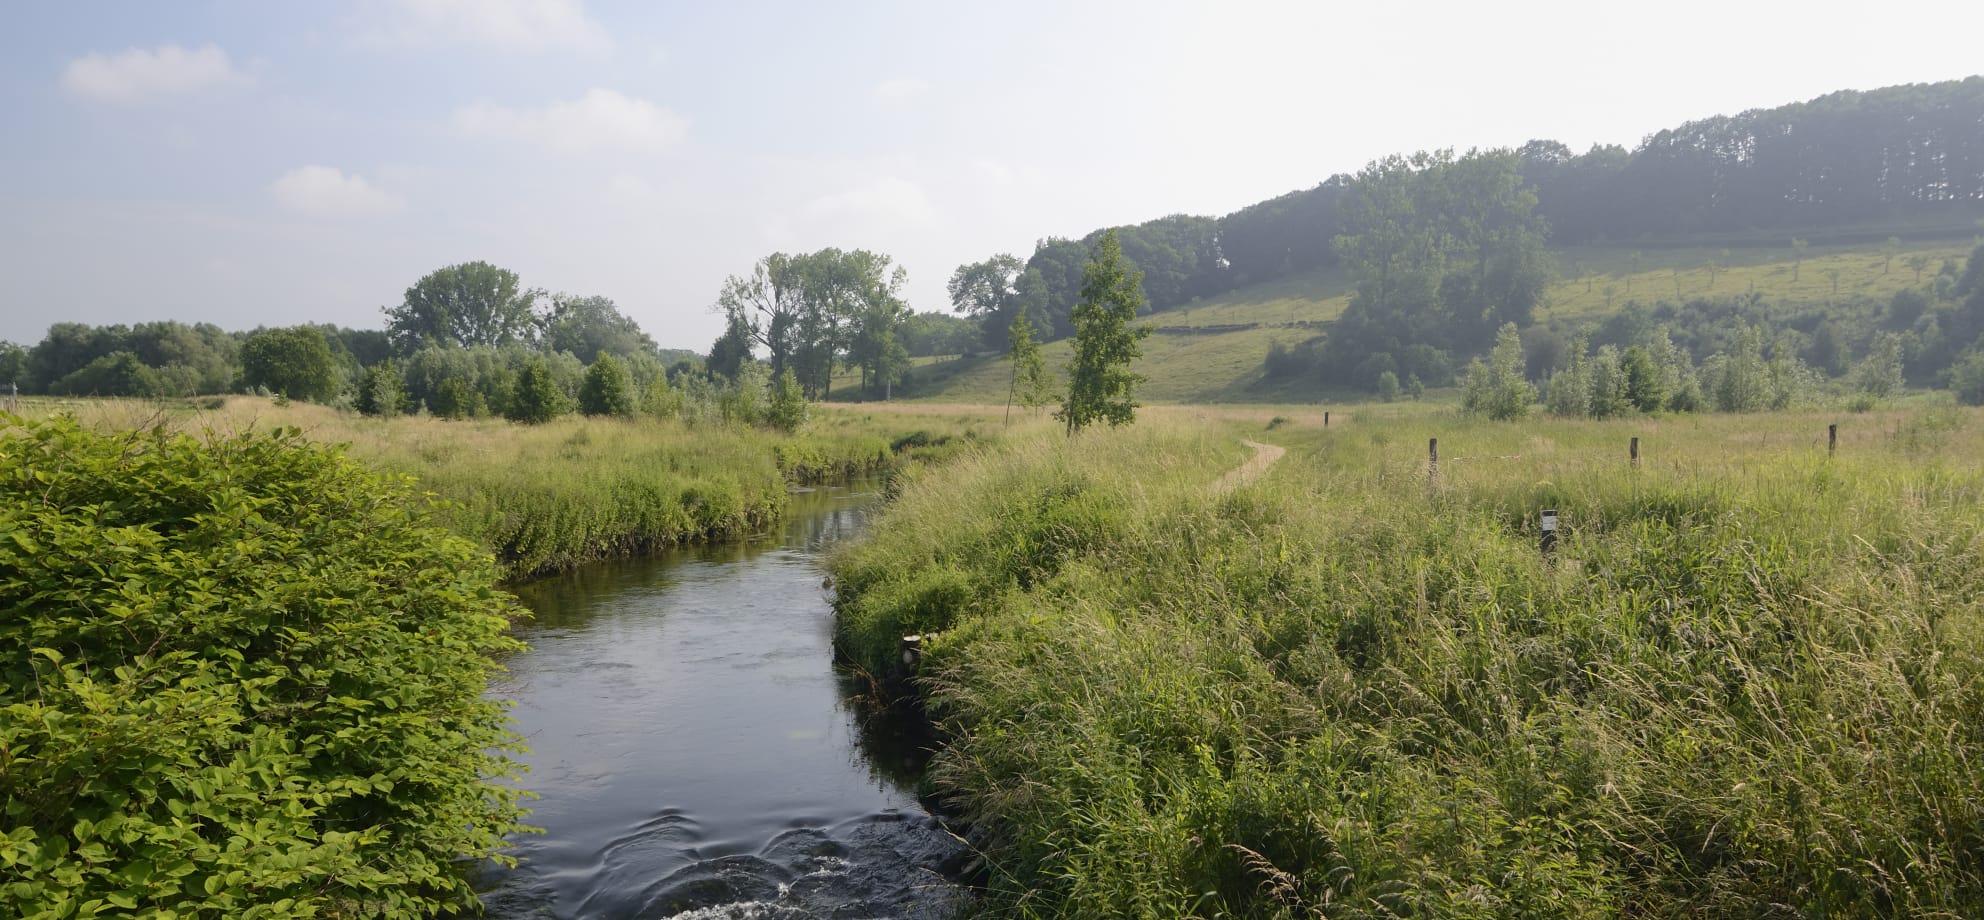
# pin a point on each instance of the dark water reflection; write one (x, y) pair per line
(696, 753)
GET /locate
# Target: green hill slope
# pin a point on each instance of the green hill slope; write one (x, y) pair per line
(1212, 350)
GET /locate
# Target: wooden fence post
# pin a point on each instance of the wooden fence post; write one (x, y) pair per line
(1634, 452)
(1432, 466)
(1832, 439)
(1549, 530)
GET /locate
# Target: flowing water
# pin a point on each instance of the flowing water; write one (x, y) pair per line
(696, 754)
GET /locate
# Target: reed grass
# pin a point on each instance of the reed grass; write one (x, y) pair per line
(1745, 683)
(549, 497)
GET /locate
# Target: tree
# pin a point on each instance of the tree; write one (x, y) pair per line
(474, 303)
(1387, 386)
(731, 349)
(13, 365)
(866, 292)
(1444, 251)
(988, 291)
(1498, 389)
(1030, 378)
(766, 306)
(1569, 392)
(1879, 374)
(119, 373)
(383, 391)
(607, 389)
(1100, 384)
(293, 361)
(538, 398)
(1644, 389)
(590, 325)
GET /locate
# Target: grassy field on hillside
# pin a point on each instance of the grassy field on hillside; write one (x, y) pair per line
(1749, 680)
(1597, 281)
(1594, 282)
(549, 497)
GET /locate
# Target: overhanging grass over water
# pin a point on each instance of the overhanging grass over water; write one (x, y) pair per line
(1746, 684)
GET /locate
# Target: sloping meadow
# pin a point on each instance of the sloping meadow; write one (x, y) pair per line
(1745, 681)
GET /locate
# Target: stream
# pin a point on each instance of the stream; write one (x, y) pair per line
(696, 754)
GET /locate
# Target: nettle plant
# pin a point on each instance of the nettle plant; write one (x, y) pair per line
(240, 676)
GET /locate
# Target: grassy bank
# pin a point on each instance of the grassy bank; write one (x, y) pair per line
(1748, 682)
(549, 497)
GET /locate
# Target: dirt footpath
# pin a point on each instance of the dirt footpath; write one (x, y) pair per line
(1265, 456)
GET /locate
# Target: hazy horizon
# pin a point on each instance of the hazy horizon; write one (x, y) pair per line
(246, 165)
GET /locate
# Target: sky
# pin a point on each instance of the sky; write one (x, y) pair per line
(248, 163)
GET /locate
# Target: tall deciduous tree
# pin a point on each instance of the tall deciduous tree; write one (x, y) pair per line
(988, 291)
(1101, 386)
(474, 303)
(766, 305)
(590, 325)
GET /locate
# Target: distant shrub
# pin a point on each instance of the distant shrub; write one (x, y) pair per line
(238, 676)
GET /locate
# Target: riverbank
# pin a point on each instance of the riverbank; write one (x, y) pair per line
(1745, 675)
(547, 498)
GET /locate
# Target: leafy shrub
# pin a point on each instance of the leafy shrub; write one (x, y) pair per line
(238, 676)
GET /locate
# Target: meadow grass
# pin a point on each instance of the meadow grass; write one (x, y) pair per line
(1745, 683)
(549, 497)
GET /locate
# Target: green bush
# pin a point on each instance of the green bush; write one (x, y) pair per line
(238, 677)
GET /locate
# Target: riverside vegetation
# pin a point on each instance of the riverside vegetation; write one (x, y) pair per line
(551, 496)
(1749, 681)
(246, 674)
(239, 677)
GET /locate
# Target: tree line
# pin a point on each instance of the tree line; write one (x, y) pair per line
(1904, 153)
(472, 340)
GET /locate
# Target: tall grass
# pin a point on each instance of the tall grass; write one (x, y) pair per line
(1746, 683)
(553, 496)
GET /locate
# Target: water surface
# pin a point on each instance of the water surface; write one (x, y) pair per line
(695, 751)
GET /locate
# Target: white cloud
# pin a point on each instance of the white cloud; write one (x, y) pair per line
(324, 191)
(899, 92)
(137, 74)
(600, 121)
(504, 25)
